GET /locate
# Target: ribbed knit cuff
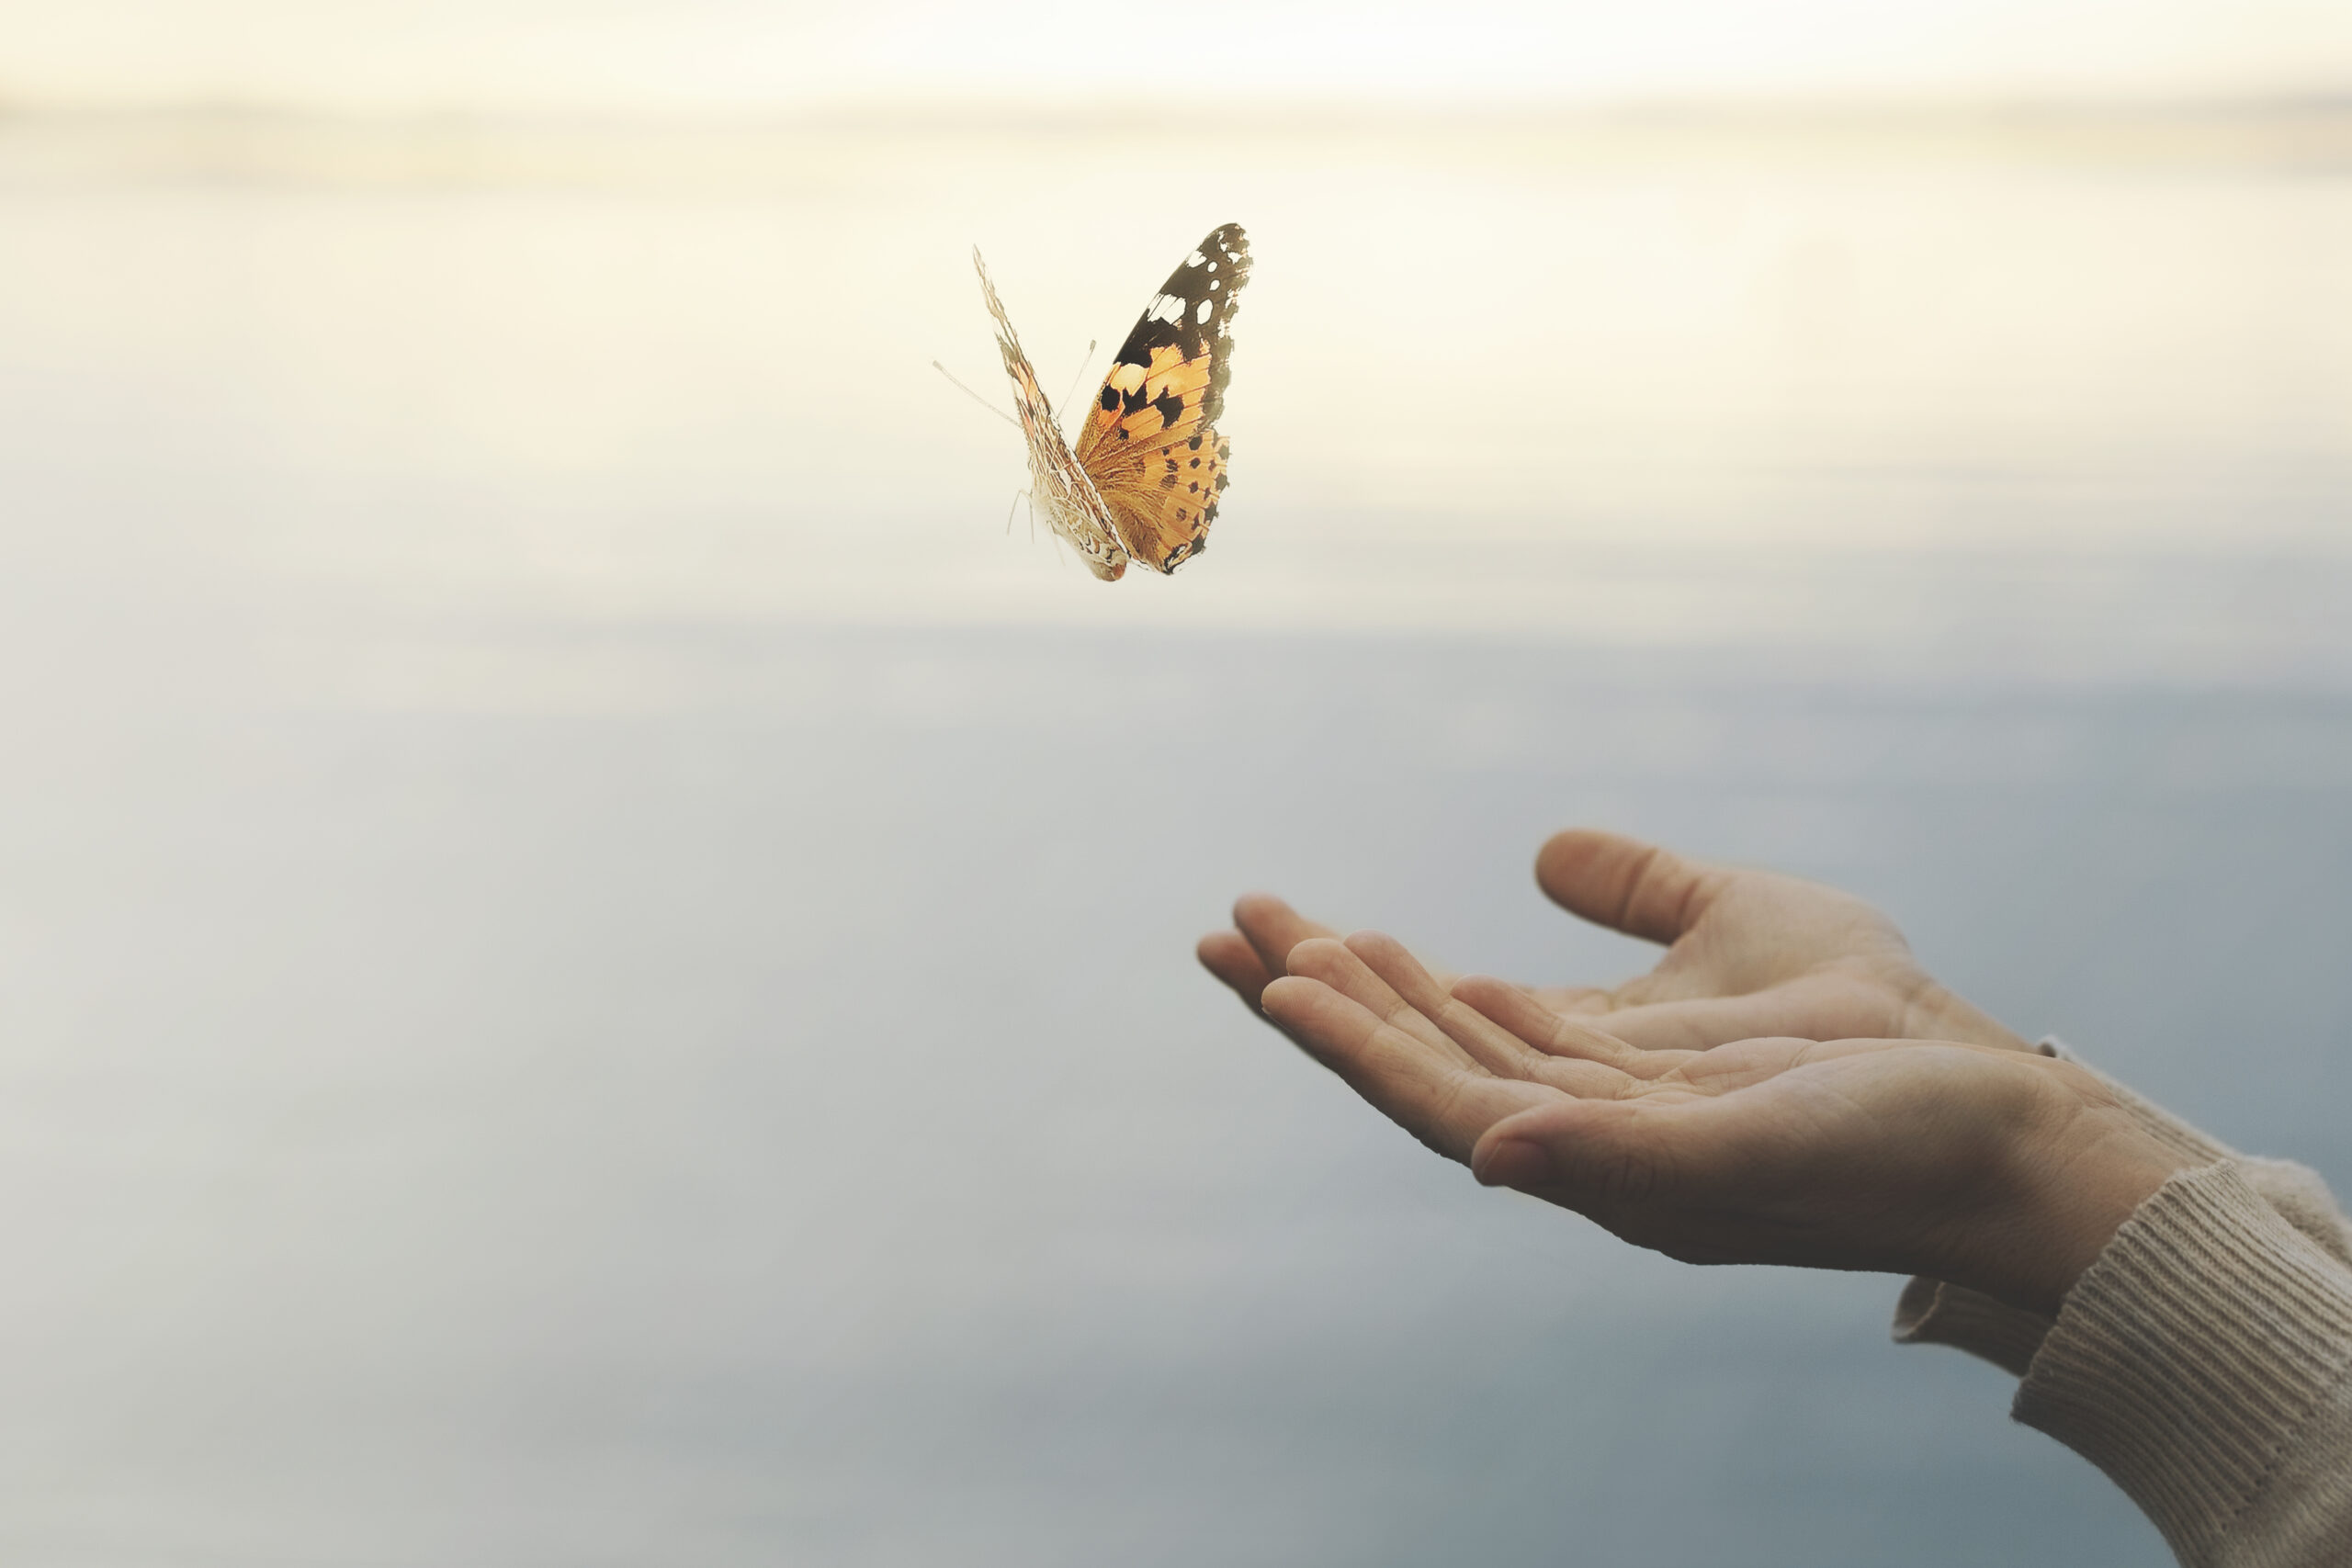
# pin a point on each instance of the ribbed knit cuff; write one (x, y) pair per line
(2302, 1200)
(1935, 1313)
(2191, 1353)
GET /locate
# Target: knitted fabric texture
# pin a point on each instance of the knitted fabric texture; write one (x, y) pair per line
(2208, 1337)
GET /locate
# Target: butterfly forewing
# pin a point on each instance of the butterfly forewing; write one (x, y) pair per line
(1151, 447)
(1059, 485)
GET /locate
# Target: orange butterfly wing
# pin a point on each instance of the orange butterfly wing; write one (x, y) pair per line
(1150, 444)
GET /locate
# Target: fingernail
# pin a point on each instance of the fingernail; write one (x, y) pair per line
(1516, 1162)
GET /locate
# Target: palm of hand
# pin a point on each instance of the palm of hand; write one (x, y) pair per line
(1836, 1153)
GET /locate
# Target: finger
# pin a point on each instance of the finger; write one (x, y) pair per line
(1228, 955)
(1330, 962)
(1492, 1048)
(1272, 928)
(1626, 884)
(1439, 1101)
(1549, 1032)
(1486, 1041)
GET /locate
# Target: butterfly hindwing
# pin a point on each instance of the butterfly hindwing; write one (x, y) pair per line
(1151, 445)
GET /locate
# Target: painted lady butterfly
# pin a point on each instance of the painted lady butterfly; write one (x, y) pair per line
(1144, 481)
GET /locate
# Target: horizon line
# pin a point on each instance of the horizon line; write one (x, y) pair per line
(1269, 110)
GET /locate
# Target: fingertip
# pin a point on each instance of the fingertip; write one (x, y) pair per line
(1565, 860)
(1527, 1137)
(1258, 907)
(1510, 1007)
(1520, 1163)
(1273, 928)
(1499, 1002)
(1317, 952)
(1470, 987)
(1233, 961)
(1571, 844)
(1289, 995)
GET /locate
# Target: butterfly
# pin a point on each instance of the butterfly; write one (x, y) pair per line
(1143, 482)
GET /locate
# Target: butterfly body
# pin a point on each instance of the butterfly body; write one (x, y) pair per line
(1144, 480)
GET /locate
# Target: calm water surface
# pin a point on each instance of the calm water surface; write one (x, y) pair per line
(598, 963)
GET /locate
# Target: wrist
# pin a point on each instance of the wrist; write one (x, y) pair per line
(2073, 1182)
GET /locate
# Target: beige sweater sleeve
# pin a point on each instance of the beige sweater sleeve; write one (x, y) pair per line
(2202, 1362)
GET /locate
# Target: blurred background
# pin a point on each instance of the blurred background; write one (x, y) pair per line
(568, 1000)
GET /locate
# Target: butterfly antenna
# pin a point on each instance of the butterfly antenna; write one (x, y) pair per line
(976, 396)
(1082, 364)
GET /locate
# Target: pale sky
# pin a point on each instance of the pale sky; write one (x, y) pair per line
(735, 55)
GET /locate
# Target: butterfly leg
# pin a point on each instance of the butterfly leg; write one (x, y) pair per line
(1018, 497)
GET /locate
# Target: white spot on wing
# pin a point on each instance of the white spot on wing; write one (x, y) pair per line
(1202, 313)
(1164, 308)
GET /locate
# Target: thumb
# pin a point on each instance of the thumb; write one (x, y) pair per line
(1626, 884)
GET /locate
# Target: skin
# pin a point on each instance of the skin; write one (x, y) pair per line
(1786, 1086)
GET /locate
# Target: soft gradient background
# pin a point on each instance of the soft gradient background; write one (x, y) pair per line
(597, 962)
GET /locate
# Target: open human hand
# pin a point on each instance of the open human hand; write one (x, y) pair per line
(1750, 953)
(2000, 1170)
